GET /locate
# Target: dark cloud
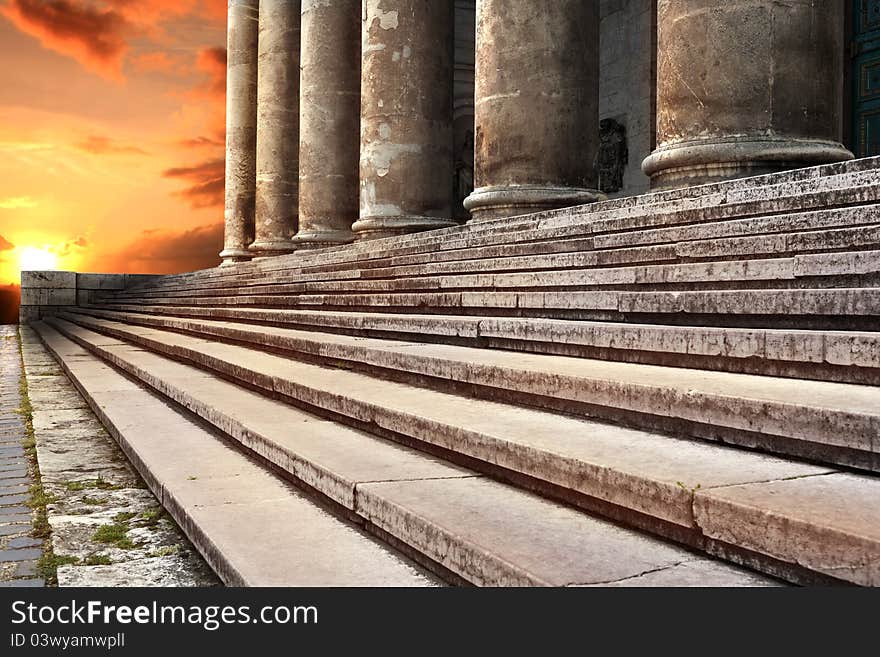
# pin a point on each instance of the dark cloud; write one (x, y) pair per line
(213, 62)
(165, 252)
(206, 183)
(94, 36)
(108, 146)
(98, 33)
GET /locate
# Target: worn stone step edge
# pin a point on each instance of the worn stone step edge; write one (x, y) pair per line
(475, 562)
(718, 252)
(301, 263)
(865, 164)
(778, 424)
(231, 559)
(839, 303)
(820, 544)
(856, 354)
(813, 271)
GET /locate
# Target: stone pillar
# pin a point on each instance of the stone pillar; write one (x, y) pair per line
(329, 122)
(277, 128)
(537, 106)
(463, 106)
(241, 129)
(406, 167)
(746, 87)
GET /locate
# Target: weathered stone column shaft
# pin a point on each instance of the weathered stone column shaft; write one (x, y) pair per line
(406, 167)
(329, 122)
(241, 129)
(277, 127)
(537, 106)
(746, 87)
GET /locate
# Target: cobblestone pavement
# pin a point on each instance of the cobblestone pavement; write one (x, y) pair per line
(19, 551)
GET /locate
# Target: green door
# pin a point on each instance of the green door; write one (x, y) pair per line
(866, 77)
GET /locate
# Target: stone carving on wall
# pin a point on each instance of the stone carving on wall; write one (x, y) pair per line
(613, 155)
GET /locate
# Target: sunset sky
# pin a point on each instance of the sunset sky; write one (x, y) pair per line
(111, 135)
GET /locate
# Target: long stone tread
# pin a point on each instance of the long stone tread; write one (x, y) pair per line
(485, 532)
(842, 415)
(252, 528)
(854, 349)
(653, 475)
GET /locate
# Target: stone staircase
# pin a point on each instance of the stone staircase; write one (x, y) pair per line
(674, 389)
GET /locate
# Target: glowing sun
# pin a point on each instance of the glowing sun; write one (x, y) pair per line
(34, 259)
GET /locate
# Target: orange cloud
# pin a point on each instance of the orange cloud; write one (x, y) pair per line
(97, 34)
(160, 62)
(213, 62)
(107, 146)
(206, 183)
(95, 37)
(168, 252)
(200, 142)
(5, 244)
(70, 246)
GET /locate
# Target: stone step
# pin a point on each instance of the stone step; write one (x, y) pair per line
(842, 309)
(805, 271)
(853, 241)
(829, 422)
(479, 530)
(747, 185)
(844, 356)
(252, 528)
(751, 188)
(566, 225)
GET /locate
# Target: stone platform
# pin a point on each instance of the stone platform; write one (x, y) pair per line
(674, 389)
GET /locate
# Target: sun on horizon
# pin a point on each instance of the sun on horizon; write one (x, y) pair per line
(31, 258)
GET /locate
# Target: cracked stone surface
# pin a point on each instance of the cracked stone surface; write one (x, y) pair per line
(103, 518)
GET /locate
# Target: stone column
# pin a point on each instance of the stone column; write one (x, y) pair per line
(746, 87)
(463, 106)
(241, 129)
(277, 128)
(537, 106)
(329, 122)
(406, 167)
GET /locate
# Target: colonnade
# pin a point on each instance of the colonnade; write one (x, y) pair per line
(346, 119)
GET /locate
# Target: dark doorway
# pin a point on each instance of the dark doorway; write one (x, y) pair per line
(865, 77)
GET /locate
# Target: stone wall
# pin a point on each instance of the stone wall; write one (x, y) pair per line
(43, 291)
(626, 87)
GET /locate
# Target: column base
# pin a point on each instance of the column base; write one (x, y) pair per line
(373, 228)
(487, 203)
(262, 250)
(693, 163)
(322, 239)
(235, 256)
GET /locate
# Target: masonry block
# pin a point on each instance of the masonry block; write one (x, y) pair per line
(48, 297)
(101, 281)
(28, 314)
(48, 279)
